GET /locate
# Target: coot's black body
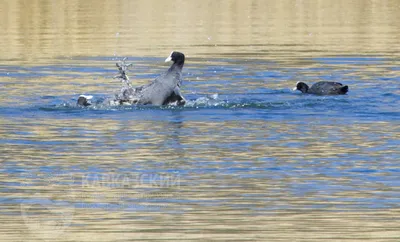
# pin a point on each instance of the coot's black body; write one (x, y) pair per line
(322, 88)
(163, 90)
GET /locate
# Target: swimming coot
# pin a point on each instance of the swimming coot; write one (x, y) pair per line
(84, 100)
(322, 88)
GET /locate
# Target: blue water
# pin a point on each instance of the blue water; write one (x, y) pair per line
(243, 142)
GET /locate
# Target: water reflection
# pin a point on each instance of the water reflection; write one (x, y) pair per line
(36, 31)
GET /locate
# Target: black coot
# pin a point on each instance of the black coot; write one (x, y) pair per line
(160, 90)
(322, 88)
(165, 88)
(84, 100)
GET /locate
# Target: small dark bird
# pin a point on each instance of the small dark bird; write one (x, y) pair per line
(322, 88)
(84, 100)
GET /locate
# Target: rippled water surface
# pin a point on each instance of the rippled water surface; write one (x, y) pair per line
(245, 159)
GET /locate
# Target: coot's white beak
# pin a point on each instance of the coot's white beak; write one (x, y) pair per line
(169, 57)
(87, 97)
(295, 88)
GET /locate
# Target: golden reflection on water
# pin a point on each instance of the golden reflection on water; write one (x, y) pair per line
(35, 30)
(199, 140)
(202, 141)
(208, 207)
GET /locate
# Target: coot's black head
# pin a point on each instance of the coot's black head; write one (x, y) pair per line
(301, 86)
(84, 100)
(177, 57)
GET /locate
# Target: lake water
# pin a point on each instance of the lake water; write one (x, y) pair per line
(245, 159)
